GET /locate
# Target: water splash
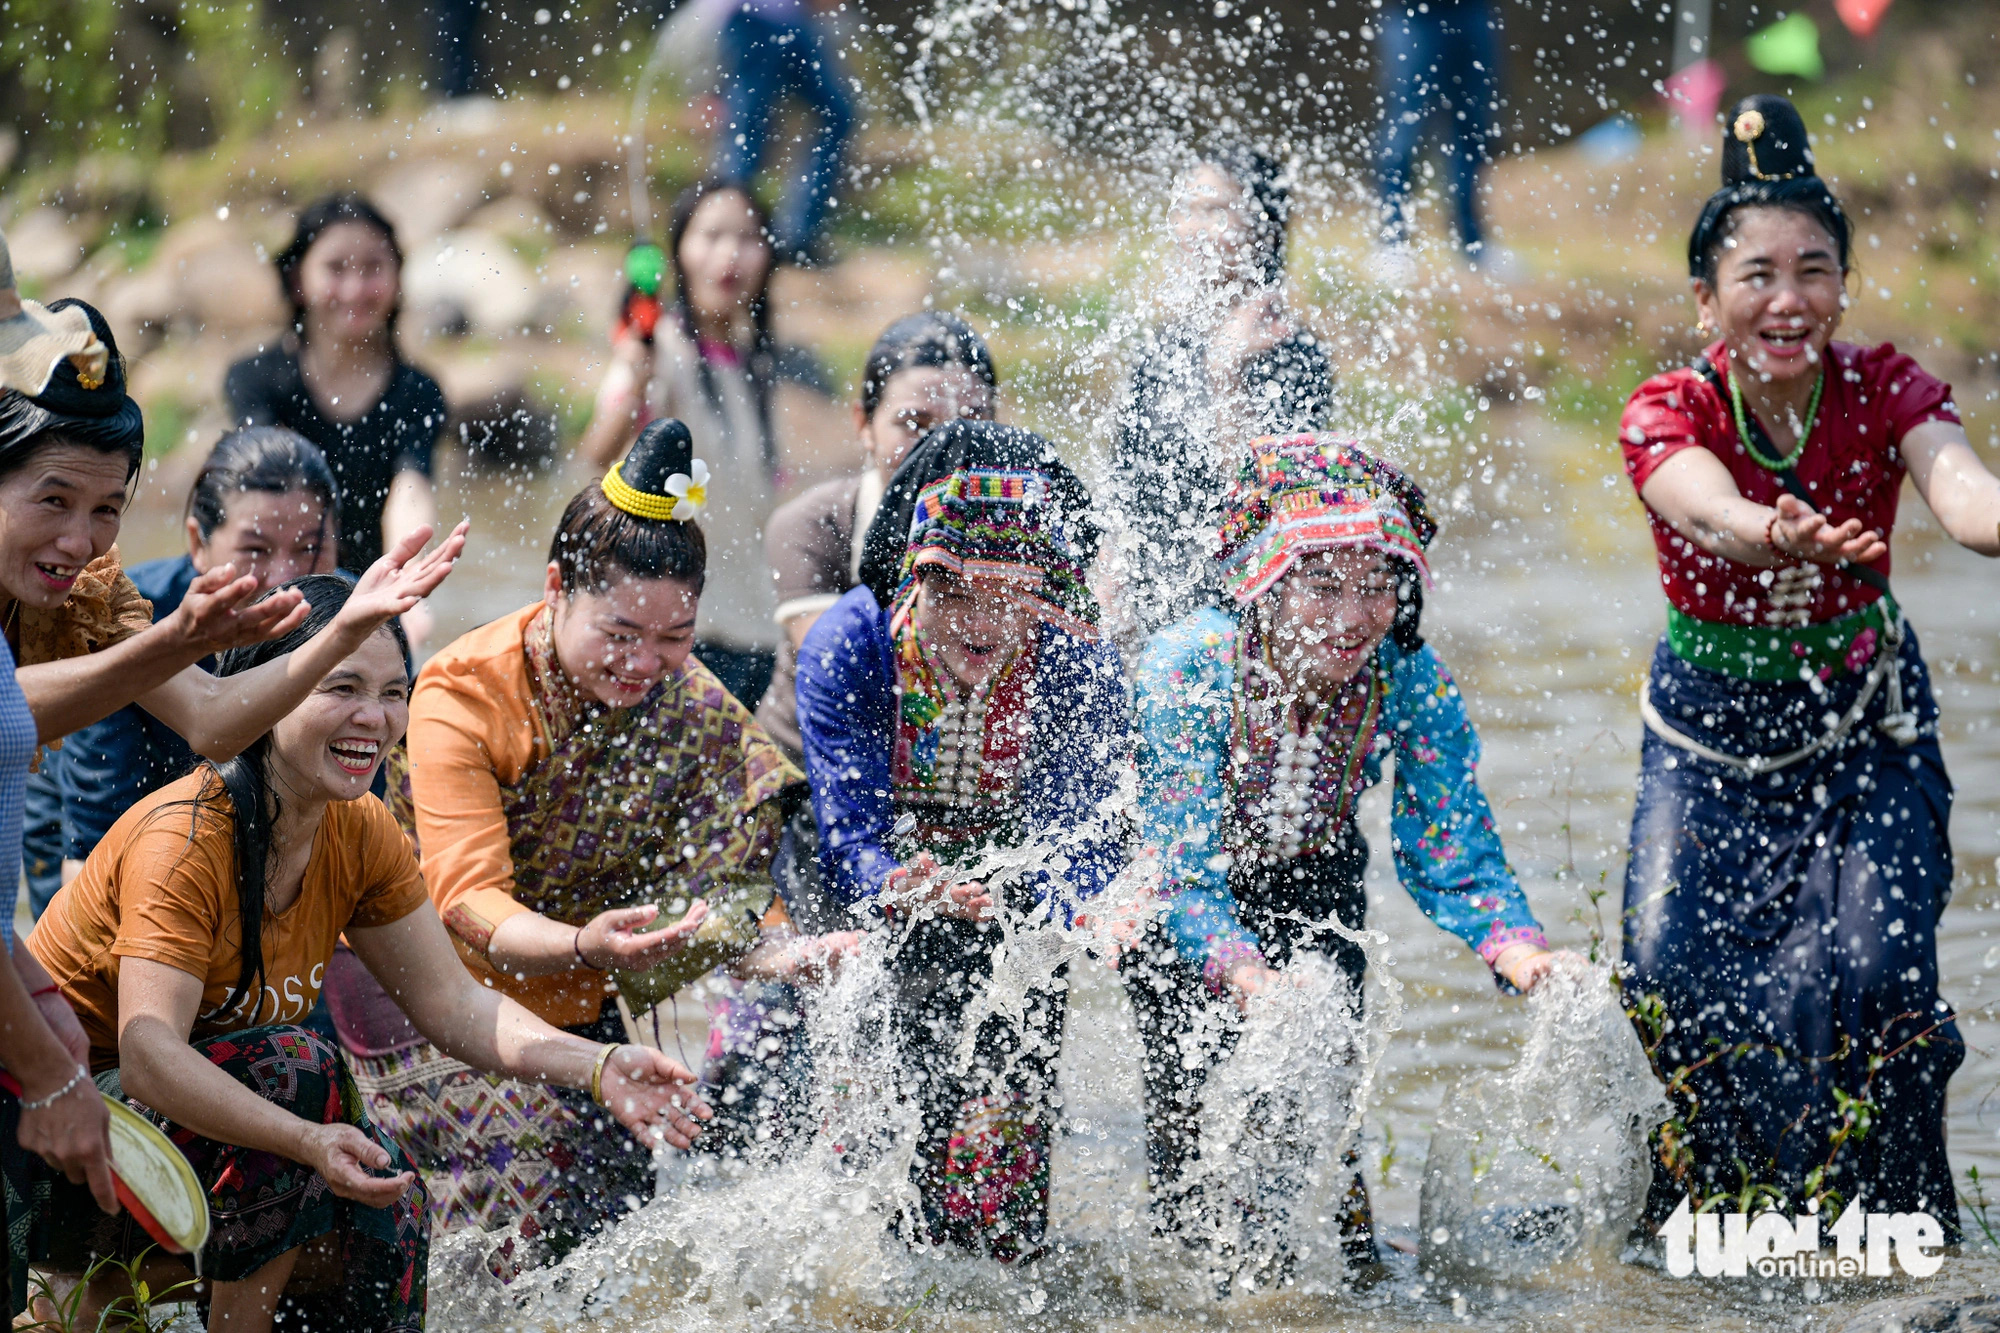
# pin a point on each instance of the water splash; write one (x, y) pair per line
(1545, 1162)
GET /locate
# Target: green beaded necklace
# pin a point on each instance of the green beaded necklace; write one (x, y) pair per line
(1757, 456)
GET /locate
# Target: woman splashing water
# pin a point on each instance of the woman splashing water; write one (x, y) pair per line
(573, 772)
(1789, 856)
(955, 706)
(1259, 729)
(199, 934)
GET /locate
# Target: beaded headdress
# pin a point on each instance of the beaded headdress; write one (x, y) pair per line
(994, 505)
(1294, 495)
(659, 478)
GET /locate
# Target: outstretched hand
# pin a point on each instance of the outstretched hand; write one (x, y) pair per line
(221, 611)
(1804, 534)
(924, 885)
(614, 940)
(1526, 966)
(400, 579)
(653, 1096)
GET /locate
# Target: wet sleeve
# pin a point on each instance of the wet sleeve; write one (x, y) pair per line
(172, 904)
(847, 722)
(1665, 415)
(1448, 853)
(1182, 716)
(1908, 394)
(468, 863)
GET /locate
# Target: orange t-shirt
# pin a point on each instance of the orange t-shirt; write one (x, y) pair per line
(150, 890)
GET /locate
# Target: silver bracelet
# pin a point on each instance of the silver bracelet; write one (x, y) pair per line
(44, 1103)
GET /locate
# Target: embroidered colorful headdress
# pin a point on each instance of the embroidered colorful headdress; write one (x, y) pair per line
(1294, 495)
(993, 505)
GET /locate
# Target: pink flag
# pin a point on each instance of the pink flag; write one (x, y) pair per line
(1861, 16)
(1695, 94)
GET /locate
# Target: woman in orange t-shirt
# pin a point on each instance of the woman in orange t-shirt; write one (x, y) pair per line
(194, 1016)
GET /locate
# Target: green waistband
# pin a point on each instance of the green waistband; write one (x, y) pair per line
(1784, 653)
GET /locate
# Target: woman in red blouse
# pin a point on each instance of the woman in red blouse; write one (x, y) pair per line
(1789, 856)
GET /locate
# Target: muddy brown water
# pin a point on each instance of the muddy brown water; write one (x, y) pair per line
(1547, 610)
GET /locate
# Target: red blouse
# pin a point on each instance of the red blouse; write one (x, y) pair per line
(1851, 467)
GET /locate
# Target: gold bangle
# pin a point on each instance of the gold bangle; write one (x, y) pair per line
(597, 1072)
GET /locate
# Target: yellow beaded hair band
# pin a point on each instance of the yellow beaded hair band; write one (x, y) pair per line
(638, 503)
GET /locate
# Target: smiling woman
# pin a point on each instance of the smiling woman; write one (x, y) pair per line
(1789, 717)
(577, 779)
(78, 648)
(197, 936)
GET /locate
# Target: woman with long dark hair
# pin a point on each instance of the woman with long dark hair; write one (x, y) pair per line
(712, 362)
(1789, 852)
(338, 376)
(1232, 364)
(199, 934)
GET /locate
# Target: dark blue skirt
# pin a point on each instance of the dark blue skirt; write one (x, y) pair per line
(1787, 925)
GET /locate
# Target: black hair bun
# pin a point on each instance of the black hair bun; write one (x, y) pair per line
(67, 391)
(662, 449)
(1765, 139)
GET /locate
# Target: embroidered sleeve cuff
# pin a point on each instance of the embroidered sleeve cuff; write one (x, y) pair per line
(1501, 939)
(474, 917)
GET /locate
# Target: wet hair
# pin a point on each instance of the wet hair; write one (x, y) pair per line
(933, 339)
(268, 459)
(1266, 198)
(253, 798)
(762, 362)
(331, 211)
(597, 541)
(104, 418)
(1767, 162)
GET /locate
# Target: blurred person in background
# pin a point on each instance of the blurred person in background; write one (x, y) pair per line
(1234, 365)
(766, 50)
(711, 361)
(1440, 62)
(338, 378)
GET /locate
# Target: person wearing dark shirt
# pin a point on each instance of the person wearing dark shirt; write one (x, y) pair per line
(339, 380)
(266, 503)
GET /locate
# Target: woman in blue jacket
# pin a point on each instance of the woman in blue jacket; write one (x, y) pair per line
(962, 724)
(1259, 728)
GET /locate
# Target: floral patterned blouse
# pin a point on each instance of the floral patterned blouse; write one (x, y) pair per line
(1448, 855)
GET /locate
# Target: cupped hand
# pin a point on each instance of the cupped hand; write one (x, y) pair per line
(222, 611)
(342, 1155)
(1526, 966)
(73, 1136)
(927, 886)
(614, 940)
(400, 579)
(653, 1096)
(817, 958)
(1804, 534)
